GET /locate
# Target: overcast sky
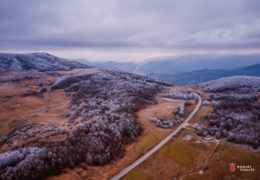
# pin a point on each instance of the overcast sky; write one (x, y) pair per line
(126, 30)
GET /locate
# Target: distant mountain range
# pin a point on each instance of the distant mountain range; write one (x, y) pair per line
(124, 66)
(187, 70)
(177, 65)
(199, 76)
(36, 62)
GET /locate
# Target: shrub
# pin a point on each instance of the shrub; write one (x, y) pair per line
(179, 95)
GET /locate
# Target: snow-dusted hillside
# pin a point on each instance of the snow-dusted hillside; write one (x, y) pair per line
(104, 105)
(36, 62)
(236, 109)
(232, 83)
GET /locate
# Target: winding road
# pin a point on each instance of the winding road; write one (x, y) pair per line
(158, 146)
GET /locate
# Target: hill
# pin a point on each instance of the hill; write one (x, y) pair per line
(199, 76)
(82, 115)
(225, 129)
(68, 124)
(36, 62)
(231, 83)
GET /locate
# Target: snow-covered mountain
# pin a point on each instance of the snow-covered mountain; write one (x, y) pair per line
(36, 62)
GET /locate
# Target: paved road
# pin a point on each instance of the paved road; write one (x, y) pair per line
(158, 146)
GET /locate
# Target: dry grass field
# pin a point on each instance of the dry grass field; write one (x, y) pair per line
(180, 157)
(175, 158)
(231, 153)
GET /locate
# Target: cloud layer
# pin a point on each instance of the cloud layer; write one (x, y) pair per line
(169, 24)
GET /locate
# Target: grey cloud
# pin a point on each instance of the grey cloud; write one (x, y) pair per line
(137, 23)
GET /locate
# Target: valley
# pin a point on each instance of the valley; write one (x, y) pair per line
(86, 123)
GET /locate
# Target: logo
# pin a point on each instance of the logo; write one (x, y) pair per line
(232, 167)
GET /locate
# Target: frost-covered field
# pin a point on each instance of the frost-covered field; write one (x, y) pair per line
(236, 113)
(103, 104)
